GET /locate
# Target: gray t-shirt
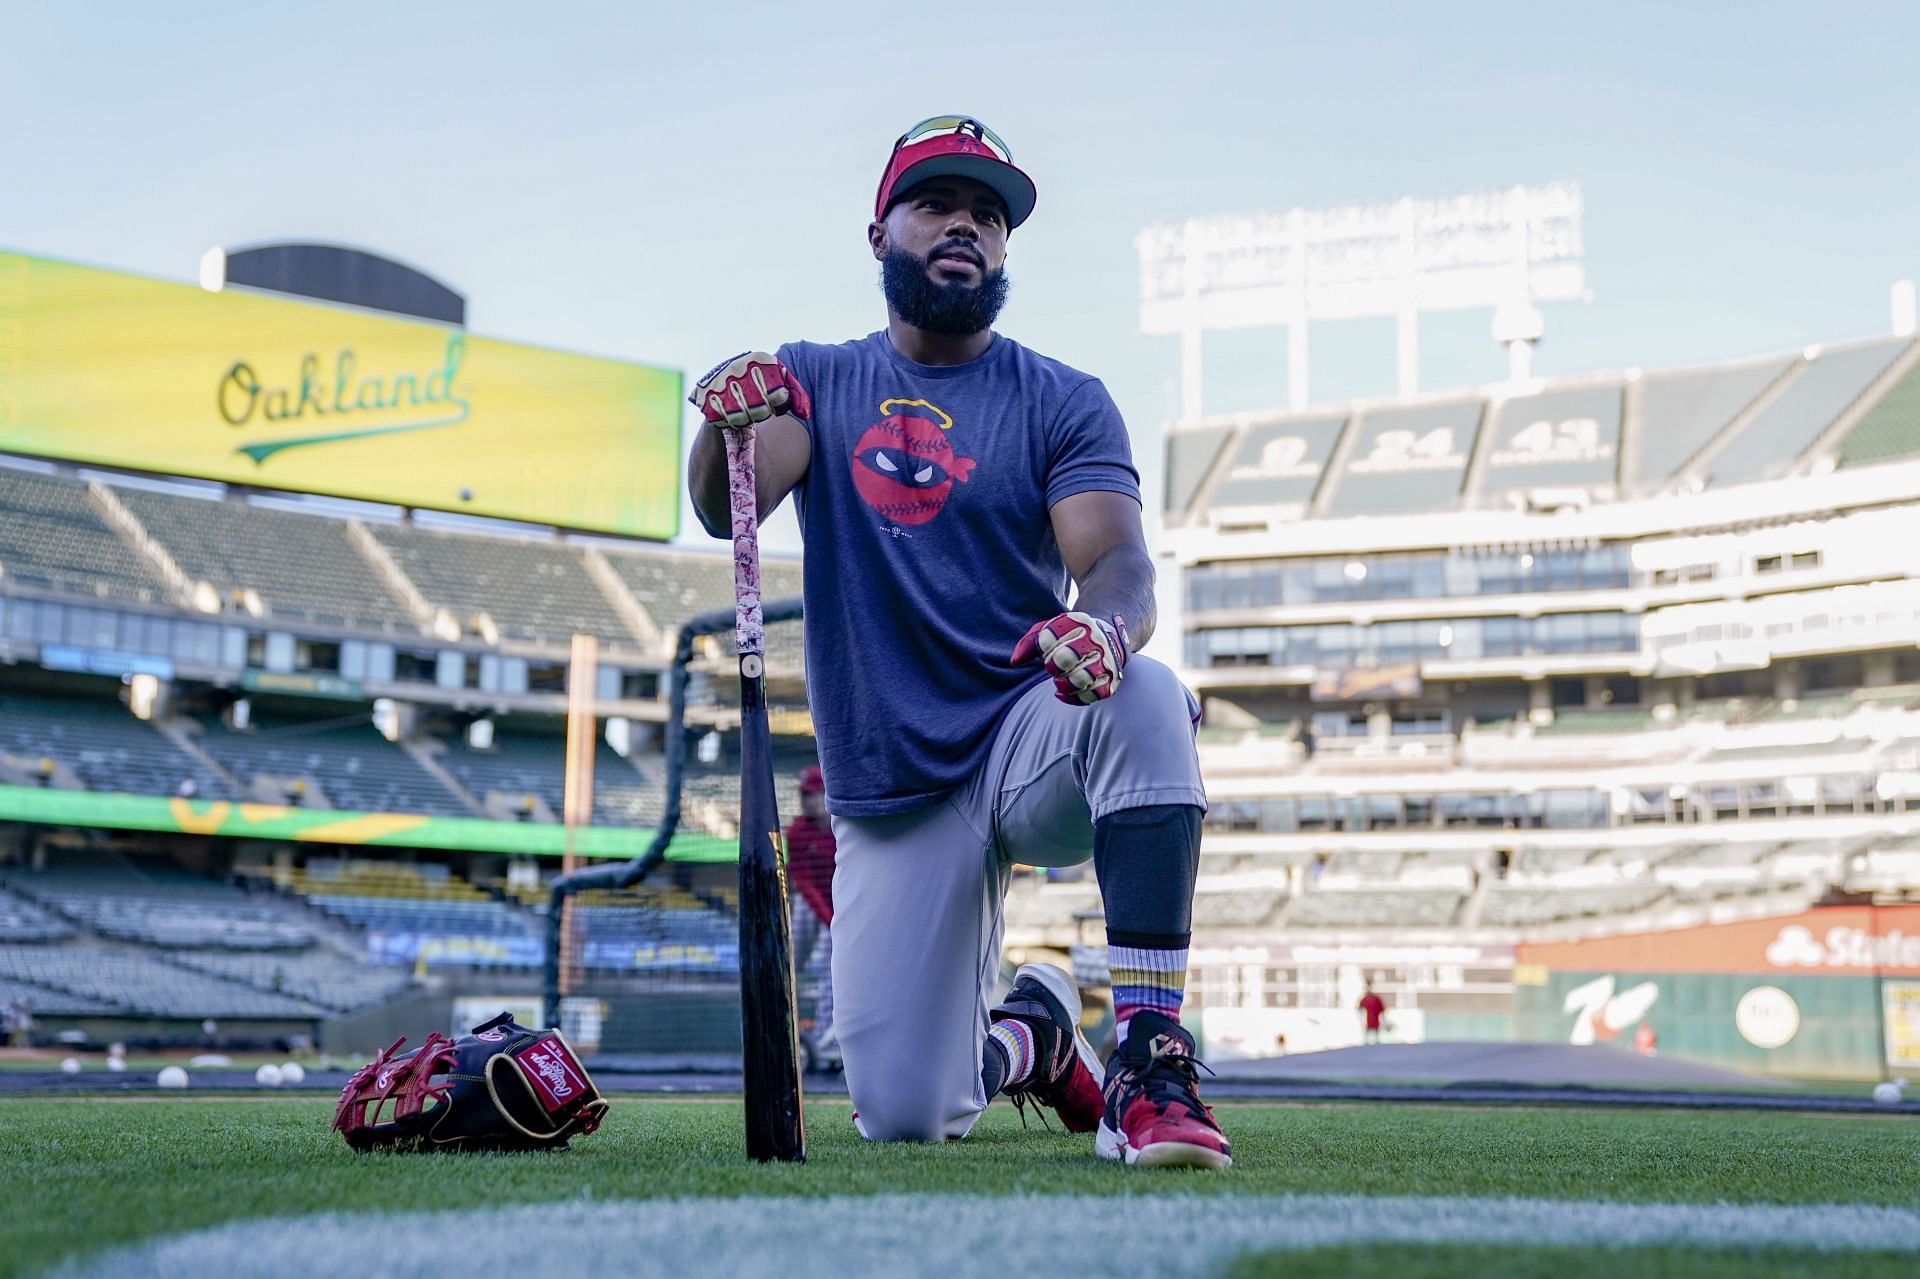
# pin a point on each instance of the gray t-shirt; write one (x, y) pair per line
(929, 550)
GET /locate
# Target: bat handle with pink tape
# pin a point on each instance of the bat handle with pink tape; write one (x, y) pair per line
(749, 629)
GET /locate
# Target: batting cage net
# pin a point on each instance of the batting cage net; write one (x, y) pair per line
(642, 957)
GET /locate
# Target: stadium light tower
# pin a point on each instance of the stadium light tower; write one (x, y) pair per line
(1506, 249)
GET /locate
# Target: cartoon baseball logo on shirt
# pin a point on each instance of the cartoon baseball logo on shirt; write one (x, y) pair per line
(903, 465)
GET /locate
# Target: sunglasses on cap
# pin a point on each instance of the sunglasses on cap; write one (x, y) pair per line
(941, 125)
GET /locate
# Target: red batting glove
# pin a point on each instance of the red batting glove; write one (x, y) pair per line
(1084, 654)
(749, 388)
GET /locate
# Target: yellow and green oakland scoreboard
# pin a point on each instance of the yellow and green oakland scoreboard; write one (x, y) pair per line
(257, 389)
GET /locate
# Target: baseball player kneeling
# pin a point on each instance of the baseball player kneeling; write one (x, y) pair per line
(952, 487)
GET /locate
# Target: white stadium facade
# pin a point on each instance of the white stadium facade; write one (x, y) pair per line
(1626, 660)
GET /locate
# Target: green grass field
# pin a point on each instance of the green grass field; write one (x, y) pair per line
(83, 1176)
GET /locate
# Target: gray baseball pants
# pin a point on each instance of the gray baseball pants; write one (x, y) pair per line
(918, 897)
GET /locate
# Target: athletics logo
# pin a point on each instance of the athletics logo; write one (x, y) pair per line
(1600, 1015)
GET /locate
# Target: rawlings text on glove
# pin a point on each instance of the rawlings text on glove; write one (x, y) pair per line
(749, 388)
(1084, 654)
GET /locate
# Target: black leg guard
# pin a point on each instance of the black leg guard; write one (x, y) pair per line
(1146, 860)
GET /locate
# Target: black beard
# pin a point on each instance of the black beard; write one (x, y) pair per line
(950, 308)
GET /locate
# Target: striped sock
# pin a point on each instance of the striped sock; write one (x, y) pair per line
(1146, 977)
(1015, 1039)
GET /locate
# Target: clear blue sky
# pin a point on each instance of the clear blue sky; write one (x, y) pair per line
(673, 184)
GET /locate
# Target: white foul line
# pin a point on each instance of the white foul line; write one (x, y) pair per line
(953, 1236)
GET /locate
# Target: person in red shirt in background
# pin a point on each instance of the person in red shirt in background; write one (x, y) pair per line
(1374, 1007)
(810, 850)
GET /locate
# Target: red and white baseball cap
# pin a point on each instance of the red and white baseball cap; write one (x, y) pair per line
(811, 780)
(956, 146)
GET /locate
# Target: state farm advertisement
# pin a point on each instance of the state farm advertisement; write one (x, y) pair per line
(1837, 941)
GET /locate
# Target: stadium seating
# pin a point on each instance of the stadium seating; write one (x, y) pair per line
(1721, 893)
(1759, 756)
(179, 921)
(300, 566)
(328, 981)
(620, 799)
(1682, 411)
(660, 931)
(1512, 906)
(106, 746)
(521, 764)
(1890, 429)
(1452, 870)
(1369, 867)
(673, 588)
(1897, 696)
(153, 940)
(1806, 407)
(1547, 863)
(45, 1001)
(515, 766)
(1893, 865)
(420, 913)
(710, 801)
(353, 765)
(367, 877)
(109, 896)
(21, 920)
(1241, 908)
(1624, 719)
(482, 934)
(1717, 856)
(1821, 706)
(51, 537)
(1374, 908)
(136, 982)
(537, 591)
(1032, 905)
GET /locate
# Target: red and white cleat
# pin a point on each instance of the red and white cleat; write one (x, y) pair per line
(1154, 1117)
(1067, 1075)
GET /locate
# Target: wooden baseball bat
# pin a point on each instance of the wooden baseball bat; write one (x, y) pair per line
(771, 1049)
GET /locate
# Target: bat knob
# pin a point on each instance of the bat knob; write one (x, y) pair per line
(752, 666)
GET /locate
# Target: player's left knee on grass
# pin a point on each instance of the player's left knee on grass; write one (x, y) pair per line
(909, 1114)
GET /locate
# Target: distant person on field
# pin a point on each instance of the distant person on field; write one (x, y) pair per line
(1374, 1008)
(810, 850)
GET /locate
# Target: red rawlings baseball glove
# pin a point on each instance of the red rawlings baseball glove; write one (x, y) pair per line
(749, 388)
(503, 1087)
(1084, 654)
